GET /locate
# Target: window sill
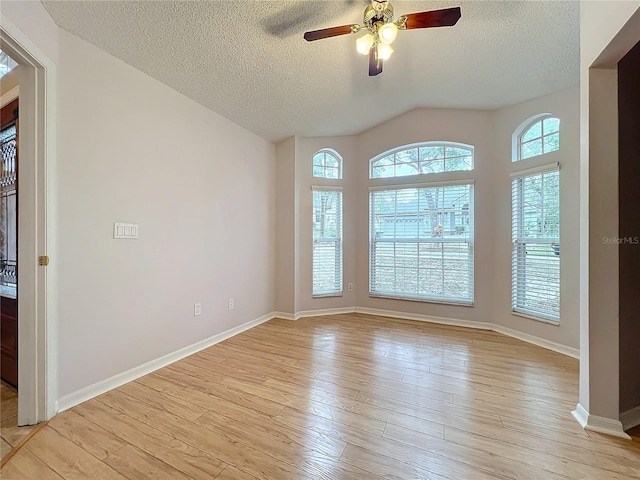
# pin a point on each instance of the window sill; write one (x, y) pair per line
(327, 295)
(530, 316)
(458, 303)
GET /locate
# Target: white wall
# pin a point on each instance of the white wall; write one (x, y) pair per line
(565, 106)
(35, 23)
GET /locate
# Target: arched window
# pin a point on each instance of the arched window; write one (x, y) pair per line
(535, 202)
(327, 224)
(537, 136)
(327, 164)
(422, 158)
(421, 232)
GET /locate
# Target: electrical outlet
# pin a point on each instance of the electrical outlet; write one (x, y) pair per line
(231, 305)
(350, 287)
(197, 309)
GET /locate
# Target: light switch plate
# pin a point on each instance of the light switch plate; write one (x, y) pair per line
(125, 230)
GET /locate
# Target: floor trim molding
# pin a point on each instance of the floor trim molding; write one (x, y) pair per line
(608, 426)
(540, 342)
(103, 386)
(98, 388)
(525, 337)
(424, 318)
(325, 311)
(630, 418)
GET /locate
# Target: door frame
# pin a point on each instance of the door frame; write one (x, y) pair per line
(37, 355)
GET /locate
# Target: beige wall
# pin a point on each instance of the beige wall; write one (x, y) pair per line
(469, 127)
(491, 134)
(344, 146)
(202, 189)
(285, 281)
(565, 106)
(604, 40)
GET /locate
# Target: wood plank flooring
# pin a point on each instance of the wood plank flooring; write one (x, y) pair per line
(10, 434)
(338, 397)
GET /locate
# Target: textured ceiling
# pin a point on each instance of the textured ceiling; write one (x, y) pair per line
(247, 60)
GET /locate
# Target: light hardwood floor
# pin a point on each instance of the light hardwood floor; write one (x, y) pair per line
(10, 434)
(338, 397)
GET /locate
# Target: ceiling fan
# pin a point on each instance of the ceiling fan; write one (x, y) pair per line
(382, 30)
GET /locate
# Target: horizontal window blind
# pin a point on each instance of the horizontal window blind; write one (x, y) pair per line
(536, 245)
(327, 242)
(421, 244)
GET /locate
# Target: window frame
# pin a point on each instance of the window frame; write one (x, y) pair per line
(327, 184)
(524, 128)
(519, 247)
(332, 153)
(402, 178)
(424, 180)
(337, 240)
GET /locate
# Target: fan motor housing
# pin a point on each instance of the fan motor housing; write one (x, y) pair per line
(382, 12)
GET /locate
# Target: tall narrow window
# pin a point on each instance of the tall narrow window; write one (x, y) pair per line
(421, 234)
(536, 245)
(535, 224)
(327, 224)
(327, 241)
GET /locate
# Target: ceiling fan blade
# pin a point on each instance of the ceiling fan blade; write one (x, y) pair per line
(375, 63)
(435, 18)
(330, 32)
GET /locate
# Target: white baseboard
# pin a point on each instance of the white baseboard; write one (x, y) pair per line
(541, 342)
(425, 318)
(630, 418)
(284, 316)
(608, 426)
(325, 311)
(87, 393)
(581, 415)
(525, 337)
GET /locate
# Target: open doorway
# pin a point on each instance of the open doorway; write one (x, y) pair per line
(10, 434)
(35, 144)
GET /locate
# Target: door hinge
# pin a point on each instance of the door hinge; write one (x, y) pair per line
(43, 260)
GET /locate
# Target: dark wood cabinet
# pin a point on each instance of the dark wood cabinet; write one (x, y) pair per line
(9, 340)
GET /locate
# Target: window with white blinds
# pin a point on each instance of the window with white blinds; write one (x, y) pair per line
(327, 241)
(421, 245)
(536, 244)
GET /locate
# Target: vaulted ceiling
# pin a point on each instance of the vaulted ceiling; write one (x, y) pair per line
(247, 60)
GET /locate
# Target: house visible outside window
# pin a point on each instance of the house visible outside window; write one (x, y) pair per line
(327, 225)
(536, 224)
(421, 227)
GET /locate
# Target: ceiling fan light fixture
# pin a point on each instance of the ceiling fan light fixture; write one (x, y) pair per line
(364, 44)
(384, 51)
(387, 33)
